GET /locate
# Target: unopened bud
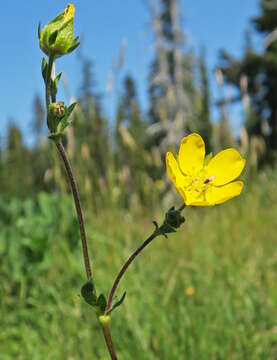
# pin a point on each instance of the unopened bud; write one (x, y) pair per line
(56, 38)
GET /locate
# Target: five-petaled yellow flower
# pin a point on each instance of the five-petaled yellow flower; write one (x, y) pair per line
(204, 182)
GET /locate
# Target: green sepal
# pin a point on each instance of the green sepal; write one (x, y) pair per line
(173, 220)
(116, 303)
(39, 30)
(88, 294)
(75, 44)
(208, 158)
(52, 38)
(44, 68)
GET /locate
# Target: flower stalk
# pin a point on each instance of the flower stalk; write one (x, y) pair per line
(172, 221)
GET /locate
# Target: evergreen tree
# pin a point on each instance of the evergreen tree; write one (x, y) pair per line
(261, 73)
(171, 90)
(91, 137)
(17, 175)
(130, 138)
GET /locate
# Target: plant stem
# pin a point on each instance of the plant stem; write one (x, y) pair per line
(125, 267)
(129, 261)
(109, 342)
(73, 184)
(78, 207)
(47, 81)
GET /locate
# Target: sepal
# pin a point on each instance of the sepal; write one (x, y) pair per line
(173, 220)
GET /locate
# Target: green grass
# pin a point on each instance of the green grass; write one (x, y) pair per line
(228, 254)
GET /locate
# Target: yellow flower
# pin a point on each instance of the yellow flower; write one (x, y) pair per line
(190, 291)
(57, 36)
(204, 182)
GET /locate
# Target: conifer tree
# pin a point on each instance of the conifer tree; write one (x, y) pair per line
(171, 90)
(260, 69)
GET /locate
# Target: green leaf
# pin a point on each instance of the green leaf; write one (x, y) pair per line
(55, 136)
(44, 68)
(39, 30)
(57, 78)
(70, 109)
(52, 38)
(117, 302)
(102, 303)
(54, 84)
(88, 294)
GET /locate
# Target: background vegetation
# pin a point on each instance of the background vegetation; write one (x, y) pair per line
(209, 291)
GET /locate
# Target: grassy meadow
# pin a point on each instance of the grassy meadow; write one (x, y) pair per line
(207, 292)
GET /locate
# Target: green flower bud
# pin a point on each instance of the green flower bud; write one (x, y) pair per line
(56, 112)
(56, 38)
(173, 220)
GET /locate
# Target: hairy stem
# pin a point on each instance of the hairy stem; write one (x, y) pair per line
(125, 267)
(78, 207)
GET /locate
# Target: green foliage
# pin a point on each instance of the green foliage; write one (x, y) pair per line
(260, 71)
(226, 253)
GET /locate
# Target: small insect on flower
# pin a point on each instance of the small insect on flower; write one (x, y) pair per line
(204, 181)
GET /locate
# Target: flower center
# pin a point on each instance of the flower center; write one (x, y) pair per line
(198, 185)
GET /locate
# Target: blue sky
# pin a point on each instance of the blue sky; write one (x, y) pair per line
(104, 25)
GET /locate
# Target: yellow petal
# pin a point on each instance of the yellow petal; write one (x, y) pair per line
(217, 195)
(175, 173)
(200, 203)
(191, 154)
(69, 12)
(195, 198)
(226, 166)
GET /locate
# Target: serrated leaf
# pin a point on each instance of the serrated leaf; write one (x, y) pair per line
(117, 302)
(102, 302)
(88, 294)
(52, 38)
